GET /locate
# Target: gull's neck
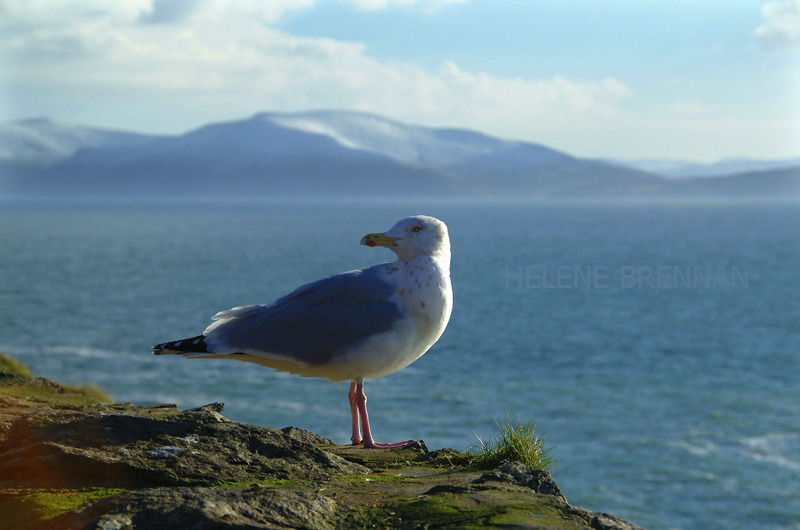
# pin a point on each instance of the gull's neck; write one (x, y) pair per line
(441, 256)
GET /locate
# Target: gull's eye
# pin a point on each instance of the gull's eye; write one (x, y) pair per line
(416, 228)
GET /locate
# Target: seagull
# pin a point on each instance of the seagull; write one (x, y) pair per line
(351, 326)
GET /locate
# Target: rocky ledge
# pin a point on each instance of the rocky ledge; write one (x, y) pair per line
(70, 461)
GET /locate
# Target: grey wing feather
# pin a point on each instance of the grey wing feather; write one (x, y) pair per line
(313, 323)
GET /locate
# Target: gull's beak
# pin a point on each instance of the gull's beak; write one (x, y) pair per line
(378, 240)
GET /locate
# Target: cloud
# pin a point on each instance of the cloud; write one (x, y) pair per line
(219, 59)
(511, 107)
(426, 6)
(170, 11)
(781, 30)
(692, 108)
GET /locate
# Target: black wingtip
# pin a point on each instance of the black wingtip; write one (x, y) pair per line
(191, 345)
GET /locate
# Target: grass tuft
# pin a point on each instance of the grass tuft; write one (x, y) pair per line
(517, 441)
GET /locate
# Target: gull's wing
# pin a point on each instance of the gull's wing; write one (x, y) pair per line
(314, 323)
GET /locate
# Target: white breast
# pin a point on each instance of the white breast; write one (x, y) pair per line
(423, 287)
(423, 290)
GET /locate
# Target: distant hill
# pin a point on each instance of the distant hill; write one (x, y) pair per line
(321, 154)
(41, 142)
(722, 168)
(776, 183)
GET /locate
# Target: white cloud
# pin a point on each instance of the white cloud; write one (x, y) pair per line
(516, 107)
(220, 59)
(691, 108)
(426, 6)
(781, 29)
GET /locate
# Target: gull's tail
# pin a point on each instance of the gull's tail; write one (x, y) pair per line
(192, 345)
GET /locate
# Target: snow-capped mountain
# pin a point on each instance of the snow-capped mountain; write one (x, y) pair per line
(408, 144)
(42, 142)
(318, 154)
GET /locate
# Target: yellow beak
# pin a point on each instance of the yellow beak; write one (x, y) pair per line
(377, 240)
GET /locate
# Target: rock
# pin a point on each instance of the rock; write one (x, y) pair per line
(207, 508)
(303, 435)
(143, 447)
(507, 479)
(601, 521)
(67, 459)
(518, 473)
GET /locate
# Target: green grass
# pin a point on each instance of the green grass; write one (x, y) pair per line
(18, 381)
(24, 509)
(91, 391)
(12, 366)
(264, 483)
(517, 441)
(65, 395)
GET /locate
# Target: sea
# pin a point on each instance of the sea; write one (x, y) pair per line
(656, 345)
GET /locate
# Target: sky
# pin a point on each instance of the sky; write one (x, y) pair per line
(697, 80)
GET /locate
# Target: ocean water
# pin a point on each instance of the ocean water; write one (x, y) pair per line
(656, 345)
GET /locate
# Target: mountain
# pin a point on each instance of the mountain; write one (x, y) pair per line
(311, 154)
(40, 142)
(775, 183)
(726, 167)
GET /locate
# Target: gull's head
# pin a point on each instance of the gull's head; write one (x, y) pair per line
(412, 237)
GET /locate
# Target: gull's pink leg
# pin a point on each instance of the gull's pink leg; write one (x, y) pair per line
(356, 438)
(361, 404)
